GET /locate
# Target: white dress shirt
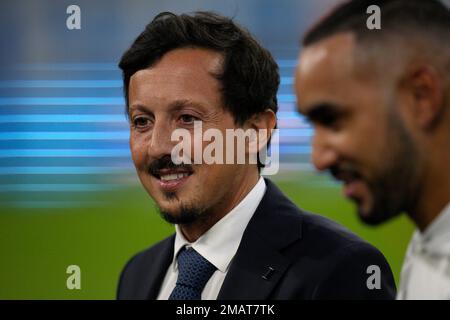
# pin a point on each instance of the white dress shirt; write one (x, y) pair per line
(218, 245)
(426, 269)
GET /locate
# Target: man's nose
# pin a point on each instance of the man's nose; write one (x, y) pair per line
(160, 141)
(323, 154)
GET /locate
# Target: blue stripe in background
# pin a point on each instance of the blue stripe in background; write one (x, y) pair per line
(60, 170)
(118, 135)
(16, 153)
(33, 118)
(30, 101)
(61, 84)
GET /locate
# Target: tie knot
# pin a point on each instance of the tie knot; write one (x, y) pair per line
(194, 272)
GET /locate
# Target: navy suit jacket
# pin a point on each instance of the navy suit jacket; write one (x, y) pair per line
(311, 256)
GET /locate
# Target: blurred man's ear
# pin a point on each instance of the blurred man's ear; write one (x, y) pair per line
(426, 88)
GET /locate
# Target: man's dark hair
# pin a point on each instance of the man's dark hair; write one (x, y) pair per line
(249, 76)
(430, 16)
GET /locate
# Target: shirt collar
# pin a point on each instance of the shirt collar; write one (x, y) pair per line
(436, 237)
(219, 244)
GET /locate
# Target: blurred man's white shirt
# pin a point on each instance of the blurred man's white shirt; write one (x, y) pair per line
(426, 269)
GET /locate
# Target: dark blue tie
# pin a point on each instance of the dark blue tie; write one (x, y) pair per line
(194, 272)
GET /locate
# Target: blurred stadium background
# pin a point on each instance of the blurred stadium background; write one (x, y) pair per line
(68, 190)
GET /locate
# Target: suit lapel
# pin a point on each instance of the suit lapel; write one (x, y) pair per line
(259, 264)
(250, 276)
(160, 263)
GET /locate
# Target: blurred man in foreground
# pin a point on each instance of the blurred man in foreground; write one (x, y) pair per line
(237, 236)
(379, 101)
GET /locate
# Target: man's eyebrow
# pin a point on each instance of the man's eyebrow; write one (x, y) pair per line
(138, 107)
(320, 111)
(178, 105)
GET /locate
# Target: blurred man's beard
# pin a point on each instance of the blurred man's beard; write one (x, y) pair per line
(395, 188)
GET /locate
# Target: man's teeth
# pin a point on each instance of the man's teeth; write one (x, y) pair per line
(173, 176)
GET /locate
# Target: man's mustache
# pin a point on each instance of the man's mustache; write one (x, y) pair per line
(345, 172)
(166, 163)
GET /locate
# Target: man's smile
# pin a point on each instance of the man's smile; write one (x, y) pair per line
(172, 179)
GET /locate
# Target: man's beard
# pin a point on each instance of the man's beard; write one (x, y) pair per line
(394, 185)
(186, 214)
(395, 188)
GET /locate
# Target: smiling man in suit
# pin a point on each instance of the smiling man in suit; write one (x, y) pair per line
(237, 236)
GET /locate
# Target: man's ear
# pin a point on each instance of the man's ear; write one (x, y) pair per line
(427, 93)
(263, 122)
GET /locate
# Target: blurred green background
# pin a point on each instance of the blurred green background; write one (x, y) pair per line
(37, 245)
